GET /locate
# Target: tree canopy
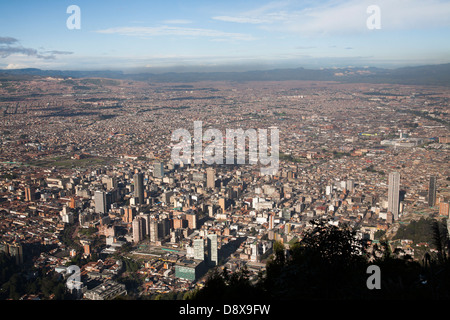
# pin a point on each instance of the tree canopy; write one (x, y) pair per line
(330, 262)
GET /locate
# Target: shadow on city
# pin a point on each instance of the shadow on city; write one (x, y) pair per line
(327, 264)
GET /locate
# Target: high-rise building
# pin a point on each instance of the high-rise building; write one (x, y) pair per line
(158, 169)
(16, 251)
(271, 221)
(394, 194)
(146, 223)
(154, 235)
(432, 191)
(198, 176)
(29, 194)
(101, 202)
(192, 219)
(199, 249)
(72, 203)
(255, 252)
(328, 190)
(210, 178)
(129, 213)
(139, 187)
(163, 227)
(444, 209)
(350, 185)
(286, 214)
(389, 218)
(138, 225)
(111, 183)
(223, 204)
(178, 223)
(213, 253)
(67, 217)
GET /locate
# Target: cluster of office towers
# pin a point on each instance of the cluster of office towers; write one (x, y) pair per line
(205, 249)
(394, 193)
(212, 253)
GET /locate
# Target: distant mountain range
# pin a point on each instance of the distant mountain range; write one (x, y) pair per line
(420, 75)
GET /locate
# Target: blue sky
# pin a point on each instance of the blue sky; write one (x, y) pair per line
(222, 35)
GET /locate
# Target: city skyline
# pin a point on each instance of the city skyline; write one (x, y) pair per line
(199, 35)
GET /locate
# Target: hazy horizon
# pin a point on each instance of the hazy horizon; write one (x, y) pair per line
(236, 35)
(225, 68)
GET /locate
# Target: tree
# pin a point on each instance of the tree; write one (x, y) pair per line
(440, 240)
(221, 284)
(329, 262)
(324, 264)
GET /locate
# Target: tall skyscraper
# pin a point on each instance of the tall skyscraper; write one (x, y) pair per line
(271, 221)
(213, 253)
(139, 187)
(192, 219)
(350, 185)
(255, 252)
(210, 178)
(138, 229)
(223, 204)
(146, 222)
(394, 194)
(154, 235)
(158, 169)
(101, 203)
(16, 251)
(432, 191)
(199, 249)
(163, 227)
(129, 213)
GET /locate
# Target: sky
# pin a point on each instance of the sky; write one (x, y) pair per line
(232, 35)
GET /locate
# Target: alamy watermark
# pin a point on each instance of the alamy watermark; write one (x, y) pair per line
(74, 20)
(374, 20)
(374, 281)
(73, 282)
(213, 152)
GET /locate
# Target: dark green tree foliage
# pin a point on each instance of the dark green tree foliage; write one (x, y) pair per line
(14, 282)
(326, 264)
(7, 267)
(440, 240)
(222, 284)
(417, 230)
(330, 263)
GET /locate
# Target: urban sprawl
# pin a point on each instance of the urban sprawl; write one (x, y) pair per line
(86, 175)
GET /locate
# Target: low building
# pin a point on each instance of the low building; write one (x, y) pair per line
(190, 269)
(106, 291)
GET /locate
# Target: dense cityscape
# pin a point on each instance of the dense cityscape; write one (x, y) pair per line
(87, 178)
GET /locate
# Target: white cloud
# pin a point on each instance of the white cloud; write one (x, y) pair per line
(177, 21)
(175, 31)
(12, 66)
(251, 20)
(344, 17)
